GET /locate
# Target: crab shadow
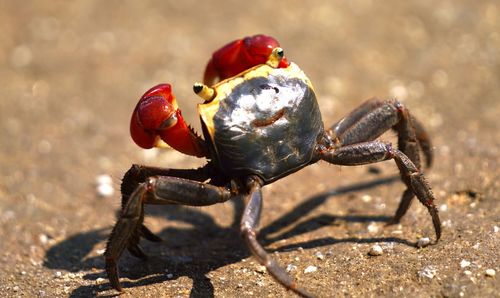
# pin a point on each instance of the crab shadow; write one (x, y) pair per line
(198, 245)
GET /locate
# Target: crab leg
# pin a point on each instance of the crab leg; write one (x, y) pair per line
(155, 190)
(359, 126)
(248, 228)
(376, 151)
(138, 174)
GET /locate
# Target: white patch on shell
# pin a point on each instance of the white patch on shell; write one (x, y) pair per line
(261, 106)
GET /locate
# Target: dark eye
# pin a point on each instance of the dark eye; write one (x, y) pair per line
(266, 86)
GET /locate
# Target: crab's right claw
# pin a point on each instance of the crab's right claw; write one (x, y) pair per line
(155, 111)
(157, 120)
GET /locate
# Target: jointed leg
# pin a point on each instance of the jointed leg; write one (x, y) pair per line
(249, 224)
(372, 119)
(138, 174)
(155, 190)
(375, 151)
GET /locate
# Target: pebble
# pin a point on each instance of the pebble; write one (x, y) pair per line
(464, 263)
(170, 275)
(366, 198)
(376, 250)
(104, 186)
(291, 267)
(373, 227)
(496, 229)
(58, 274)
(310, 269)
(261, 269)
(490, 272)
(15, 288)
(428, 272)
(43, 239)
(319, 255)
(423, 242)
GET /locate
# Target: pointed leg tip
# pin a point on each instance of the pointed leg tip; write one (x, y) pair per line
(148, 235)
(112, 272)
(392, 221)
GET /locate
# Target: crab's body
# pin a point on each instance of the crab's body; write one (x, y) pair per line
(265, 121)
(260, 122)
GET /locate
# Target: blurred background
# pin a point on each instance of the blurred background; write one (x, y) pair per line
(71, 73)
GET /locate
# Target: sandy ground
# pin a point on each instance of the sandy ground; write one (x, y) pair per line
(72, 71)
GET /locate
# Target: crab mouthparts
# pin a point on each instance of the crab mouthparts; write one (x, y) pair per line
(270, 120)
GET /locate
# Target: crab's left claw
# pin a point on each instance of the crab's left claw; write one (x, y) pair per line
(240, 55)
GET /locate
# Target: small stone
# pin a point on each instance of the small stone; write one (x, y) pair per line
(467, 272)
(105, 190)
(423, 242)
(58, 274)
(464, 263)
(239, 286)
(43, 239)
(261, 269)
(376, 250)
(319, 255)
(170, 275)
(104, 186)
(443, 208)
(490, 272)
(291, 267)
(366, 198)
(428, 272)
(15, 288)
(103, 179)
(373, 227)
(100, 280)
(496, 229)
(23, 272)
(310, 269)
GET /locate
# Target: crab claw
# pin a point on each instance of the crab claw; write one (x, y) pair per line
(157, 118)
(240, 55)
(155, 111)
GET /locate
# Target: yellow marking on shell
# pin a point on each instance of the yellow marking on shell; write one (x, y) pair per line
(223, 89)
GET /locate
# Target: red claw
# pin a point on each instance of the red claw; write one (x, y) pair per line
(238, 56)
(157, 117)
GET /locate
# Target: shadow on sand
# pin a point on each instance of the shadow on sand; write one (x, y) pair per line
(202, 245)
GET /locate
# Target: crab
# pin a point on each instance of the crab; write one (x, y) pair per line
(260, 122)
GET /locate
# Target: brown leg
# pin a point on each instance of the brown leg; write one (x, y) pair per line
(372, 119)
(155, 190)
(376, 151)
(249, 223)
